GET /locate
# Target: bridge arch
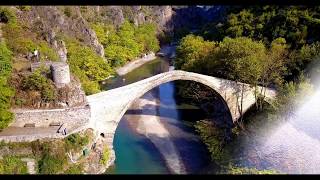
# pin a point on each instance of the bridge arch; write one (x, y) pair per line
(108, 107)
(161, 81)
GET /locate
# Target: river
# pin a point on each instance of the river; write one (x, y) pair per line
(155, 135)
(169, 144)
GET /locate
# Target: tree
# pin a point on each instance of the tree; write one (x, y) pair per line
(87, 65)
(273, 67)
(127, 42)
(127, 39)
(6, 92)
(243, 58)
(191, 52)
(145, 34)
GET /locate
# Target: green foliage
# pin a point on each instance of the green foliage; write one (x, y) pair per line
(52, 156)
(292, 94)
(25, 8)
(46, 52)
(243, 58)
(76, 169)
(75, 142)
(231, 169)
(296, 24)
(213, 137)
(105, 156)
(6, 92)
(38, 82)
(67, 11)
(87, 66)
(106, 33)
(301, 58)
(22, 41)
(12, 165)
(127, 42)
(240, 59)
(145, 34)
(165, 38)
(49, 164)
(193, 52)
(7, 15)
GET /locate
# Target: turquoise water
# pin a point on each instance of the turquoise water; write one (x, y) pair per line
(135, 154)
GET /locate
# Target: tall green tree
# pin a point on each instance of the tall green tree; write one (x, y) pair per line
(6, 92)
(244, 60)
(192, 53)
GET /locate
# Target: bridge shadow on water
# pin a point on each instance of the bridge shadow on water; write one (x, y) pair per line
(188, 114)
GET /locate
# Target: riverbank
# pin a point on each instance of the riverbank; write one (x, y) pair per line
(135, 64)
(165, 51)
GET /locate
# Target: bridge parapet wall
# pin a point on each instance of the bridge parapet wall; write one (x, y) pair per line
(71, 117)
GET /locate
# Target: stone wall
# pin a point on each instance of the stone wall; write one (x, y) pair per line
(71, 117)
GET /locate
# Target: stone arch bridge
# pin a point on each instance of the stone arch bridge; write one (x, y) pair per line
(108, 107)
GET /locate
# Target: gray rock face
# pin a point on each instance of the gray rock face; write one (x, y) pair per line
(50, 21)
(62, 51)
(71, 95)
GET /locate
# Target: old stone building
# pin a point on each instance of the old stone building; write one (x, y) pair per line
(60, 73)
(59, 70)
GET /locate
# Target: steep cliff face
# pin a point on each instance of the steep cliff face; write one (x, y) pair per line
(51, 22)
(48, 26)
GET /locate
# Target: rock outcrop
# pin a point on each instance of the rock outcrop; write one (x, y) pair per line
(49, 21)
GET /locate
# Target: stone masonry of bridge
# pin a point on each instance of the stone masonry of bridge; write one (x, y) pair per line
(108, 107)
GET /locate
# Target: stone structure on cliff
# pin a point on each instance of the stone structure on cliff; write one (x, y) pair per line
(59, 70)
(60, 74)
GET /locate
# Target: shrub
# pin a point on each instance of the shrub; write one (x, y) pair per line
(46, 52)
(24, 8)
(105, 156)
(7, 15)
(76, 169)
(37, 82)
(126, 43)
(22, 41)
(49, 164)
(67, 11)
(6, 92)
(231, 169)
(12, 165)
(75, 142)
(213, 137)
